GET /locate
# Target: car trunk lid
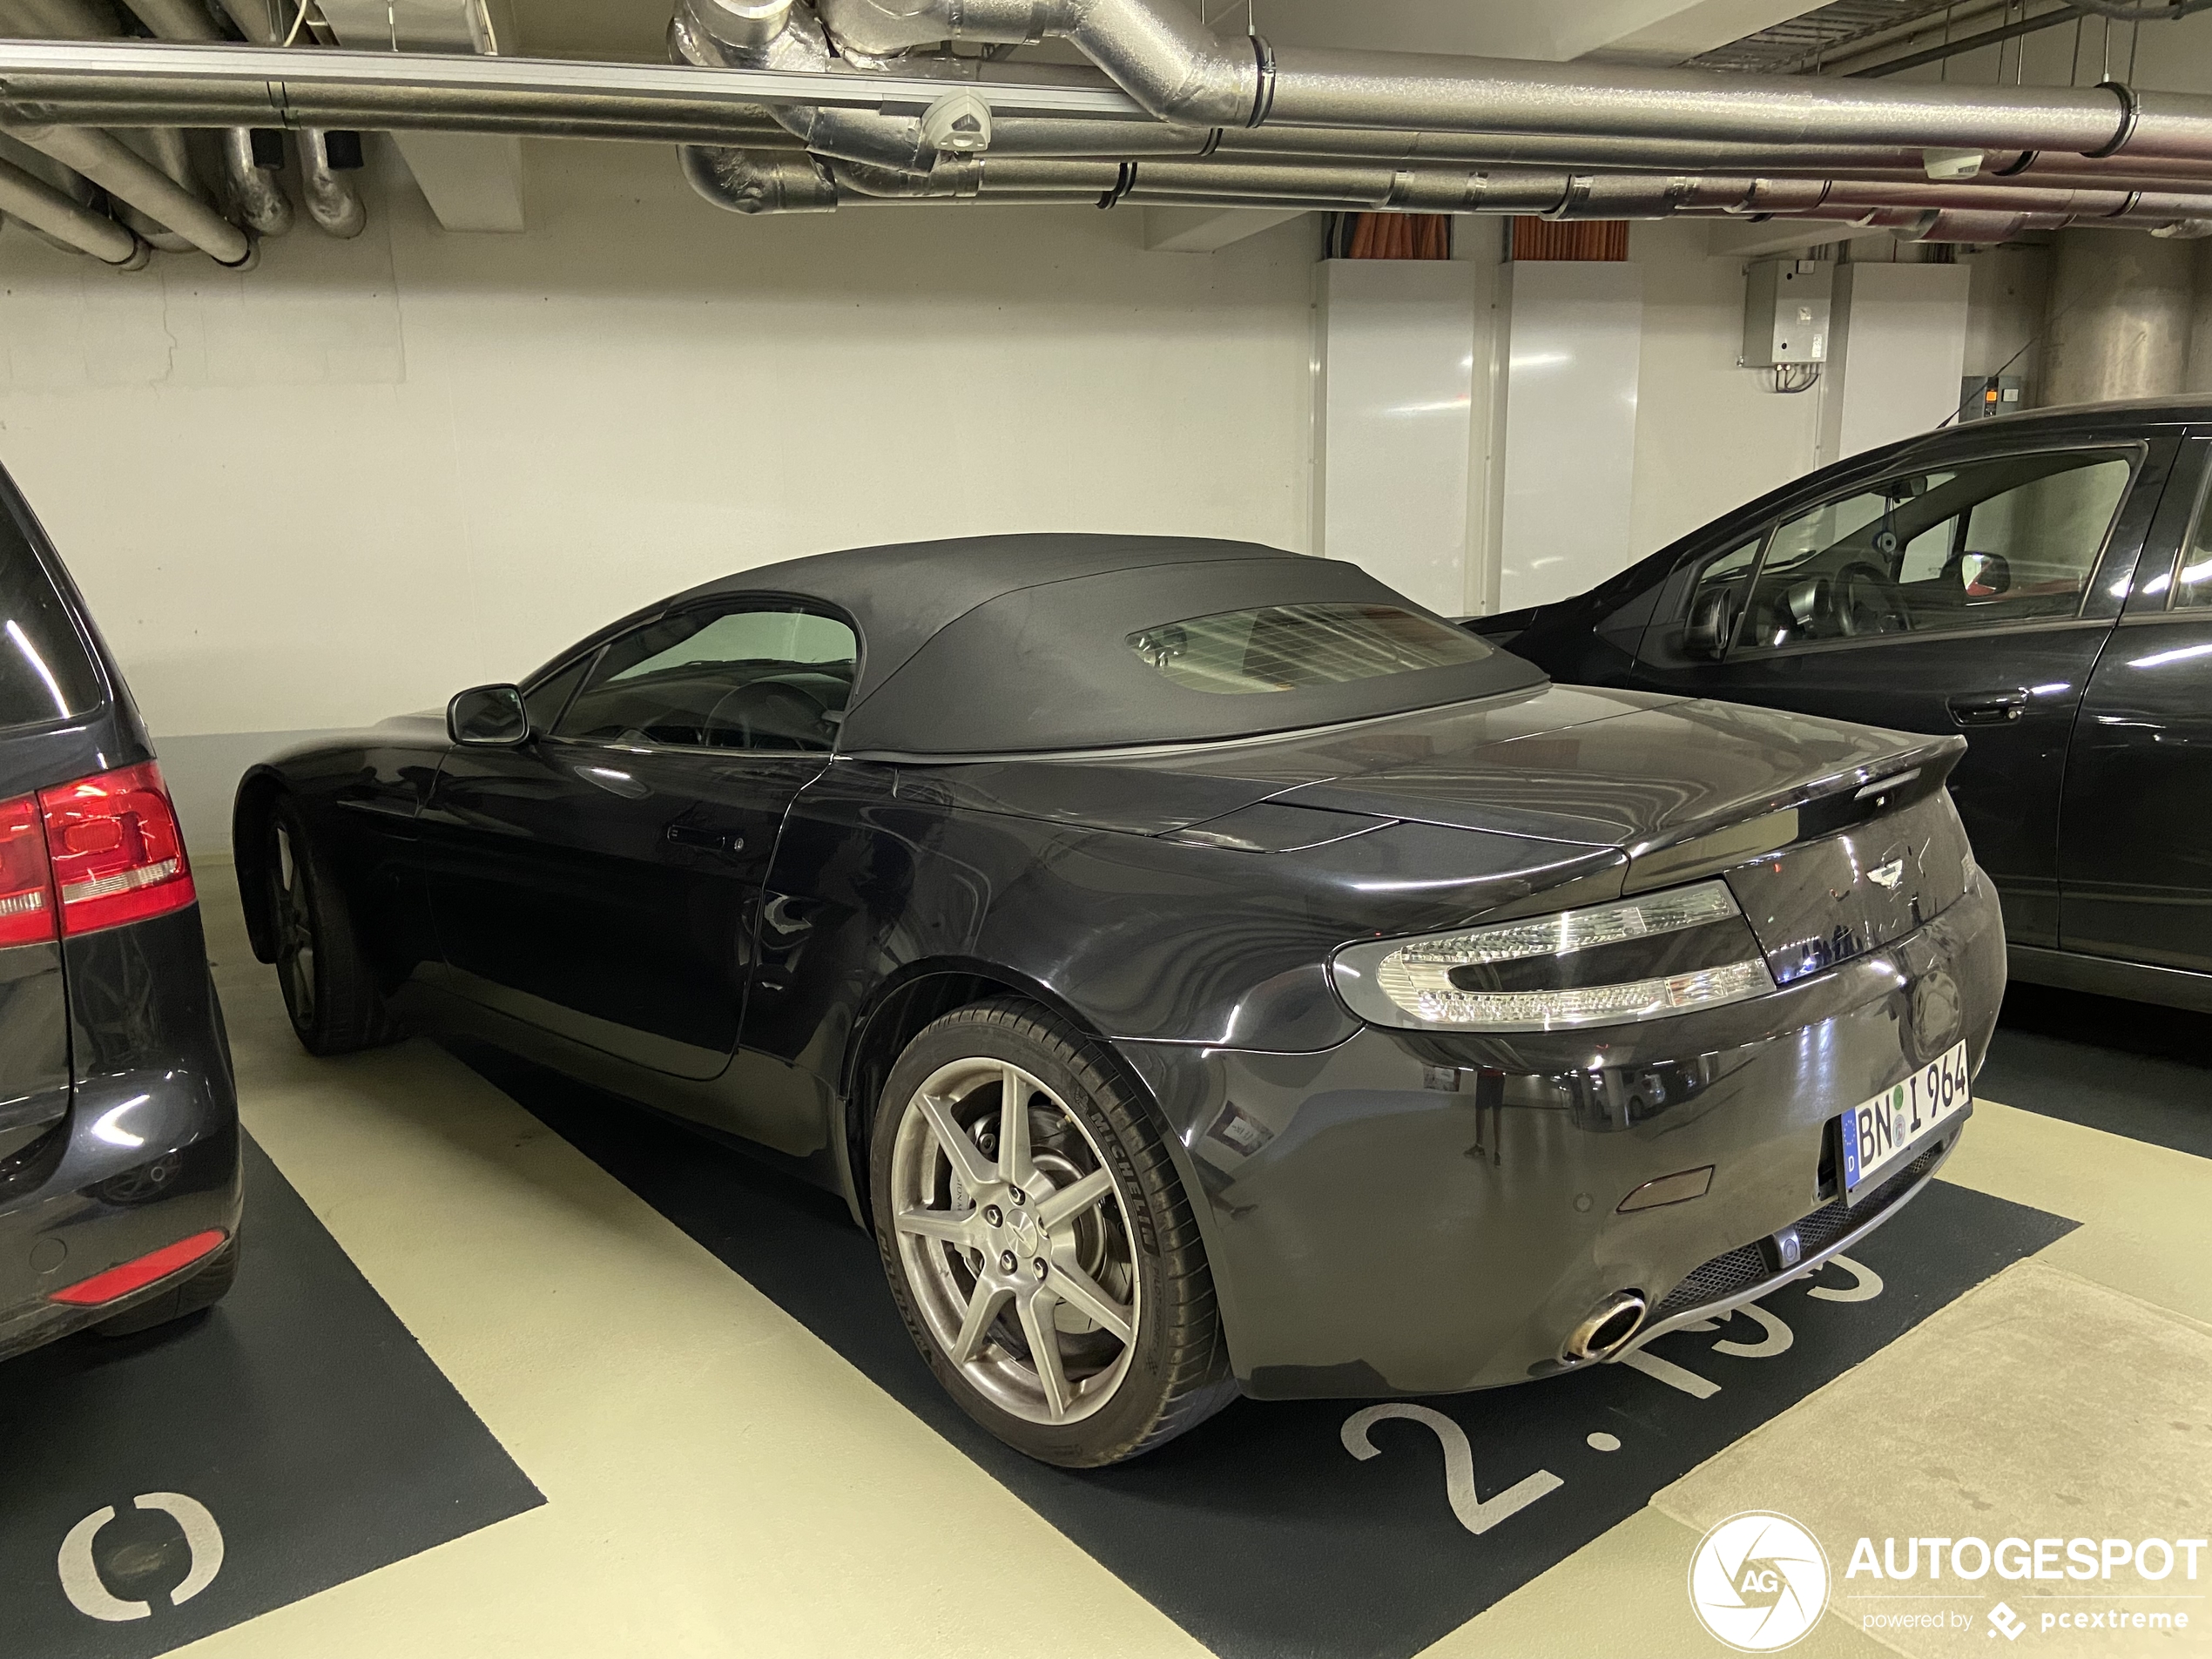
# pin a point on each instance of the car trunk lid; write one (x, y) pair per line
(1836, 840)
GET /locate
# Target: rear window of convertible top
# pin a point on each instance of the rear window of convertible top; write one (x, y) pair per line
(1288, 648)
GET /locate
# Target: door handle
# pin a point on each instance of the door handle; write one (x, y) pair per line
(712, 841)
(1988, 708)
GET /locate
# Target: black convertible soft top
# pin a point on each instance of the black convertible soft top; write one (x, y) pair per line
(1007, 643)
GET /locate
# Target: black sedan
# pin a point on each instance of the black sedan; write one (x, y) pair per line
(1205, 971)
(119, 1179)
(2041, 583)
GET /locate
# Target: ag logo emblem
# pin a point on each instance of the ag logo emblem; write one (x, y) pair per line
(1759, 1582)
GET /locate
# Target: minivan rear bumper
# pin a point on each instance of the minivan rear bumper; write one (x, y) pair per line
(1422, 1212)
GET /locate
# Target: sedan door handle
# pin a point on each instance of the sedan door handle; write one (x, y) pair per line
(713, 840)
(1988, 708)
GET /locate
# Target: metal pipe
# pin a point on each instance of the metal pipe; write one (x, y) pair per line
(129, 177)
(1182, 70)
(47, 211)
(768, 182)
(635, 100)
(780, 36)
(168, 152)
(162, 143)
(167, 148)
(255, 192)
(332, 202)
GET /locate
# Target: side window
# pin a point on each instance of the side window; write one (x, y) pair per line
(1706, 622)
(549, 696)
(758, 678)
(2008, 539)
(2193, 581)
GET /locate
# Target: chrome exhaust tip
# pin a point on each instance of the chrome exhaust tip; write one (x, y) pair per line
(1606, 1329)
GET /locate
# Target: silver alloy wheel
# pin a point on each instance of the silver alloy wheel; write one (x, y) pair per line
(1014, 1240)
(295, 928)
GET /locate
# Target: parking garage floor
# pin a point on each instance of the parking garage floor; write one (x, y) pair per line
(661, 1405)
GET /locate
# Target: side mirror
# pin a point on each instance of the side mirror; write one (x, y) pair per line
(489, 717)
(1711, 620)
(1988, 575)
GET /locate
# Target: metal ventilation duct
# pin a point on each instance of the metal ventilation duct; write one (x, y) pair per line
(803, 107)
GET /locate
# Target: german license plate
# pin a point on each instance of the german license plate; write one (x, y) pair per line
(1879, 1135)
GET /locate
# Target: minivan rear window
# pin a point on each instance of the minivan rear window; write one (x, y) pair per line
(1287, 648)
(45, 673)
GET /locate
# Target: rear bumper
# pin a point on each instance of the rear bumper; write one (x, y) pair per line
(148, 1152)
(1421, 1213)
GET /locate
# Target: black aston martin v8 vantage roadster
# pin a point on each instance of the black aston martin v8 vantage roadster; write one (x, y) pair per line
(1204, 970)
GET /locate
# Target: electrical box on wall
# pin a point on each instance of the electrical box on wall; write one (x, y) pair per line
(1785, 312)
(1981, 397)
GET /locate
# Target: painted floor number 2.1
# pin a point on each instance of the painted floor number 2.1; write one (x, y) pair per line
(1480, 1514)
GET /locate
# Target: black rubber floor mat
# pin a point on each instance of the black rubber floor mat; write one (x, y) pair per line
(295, 1437)
(1326, 1529)
(2126, 1068)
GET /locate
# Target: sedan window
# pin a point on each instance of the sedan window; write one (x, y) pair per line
(2010, 539)
(2192, 582)
(759, 678)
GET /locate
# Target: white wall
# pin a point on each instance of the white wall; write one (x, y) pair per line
(370, 473)
(1710, 435)
(1572, 367)
(1895, 354)
(1398, 374)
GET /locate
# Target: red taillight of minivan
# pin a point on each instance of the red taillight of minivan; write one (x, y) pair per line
(117, 852)
(26, 883)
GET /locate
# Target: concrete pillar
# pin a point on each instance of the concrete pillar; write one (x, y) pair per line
(2122, 305)
(2199, 380)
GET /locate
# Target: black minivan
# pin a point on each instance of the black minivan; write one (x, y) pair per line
(120, 1183)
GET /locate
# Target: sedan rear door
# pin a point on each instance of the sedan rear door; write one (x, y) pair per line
(1968, 589)
(2135, 857)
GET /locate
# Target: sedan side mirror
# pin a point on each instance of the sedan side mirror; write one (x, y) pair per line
(489, 717)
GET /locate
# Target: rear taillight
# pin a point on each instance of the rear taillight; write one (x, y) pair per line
(117, 855)
(26, 885)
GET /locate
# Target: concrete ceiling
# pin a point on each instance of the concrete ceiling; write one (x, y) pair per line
(1659, 29)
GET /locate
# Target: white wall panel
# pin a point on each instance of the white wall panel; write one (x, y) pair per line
(1574, 362)
(1397, 361)
(1895, 354)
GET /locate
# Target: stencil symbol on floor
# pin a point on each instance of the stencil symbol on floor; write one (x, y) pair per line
(80, 1574)
(1868, 1284)
(1478, 1515)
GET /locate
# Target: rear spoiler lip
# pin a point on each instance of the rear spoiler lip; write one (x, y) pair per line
(1921, 768)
